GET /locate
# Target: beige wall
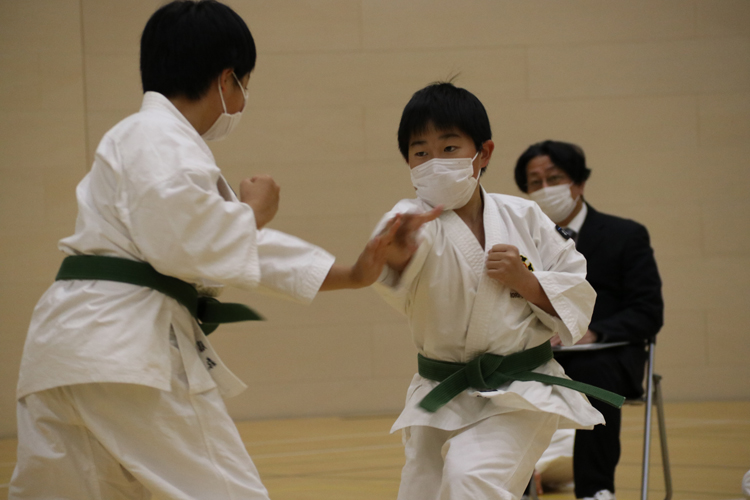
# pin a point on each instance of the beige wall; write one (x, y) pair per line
(657, 93)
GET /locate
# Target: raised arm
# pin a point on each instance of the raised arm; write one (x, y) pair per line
(394, 246)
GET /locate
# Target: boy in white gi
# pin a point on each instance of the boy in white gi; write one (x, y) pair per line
(119, 394)
(484, 288)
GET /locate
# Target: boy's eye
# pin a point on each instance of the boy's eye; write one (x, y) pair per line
(450, 149)
(420, 153)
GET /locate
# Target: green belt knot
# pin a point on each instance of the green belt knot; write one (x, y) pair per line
(490, 371)
(479, 369)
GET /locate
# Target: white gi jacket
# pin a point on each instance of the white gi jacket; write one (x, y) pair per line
(155, 194)
(457, 312)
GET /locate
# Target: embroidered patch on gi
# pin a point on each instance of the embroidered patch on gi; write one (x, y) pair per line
(562, 232)
(527, 263)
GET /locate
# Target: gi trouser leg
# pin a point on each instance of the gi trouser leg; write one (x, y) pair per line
(493, 458)
(121, 441)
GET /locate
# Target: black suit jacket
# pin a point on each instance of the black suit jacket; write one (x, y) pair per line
(629, 305)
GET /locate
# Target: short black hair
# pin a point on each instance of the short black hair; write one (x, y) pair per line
(187, 44)
(445, 106)
(564, 155)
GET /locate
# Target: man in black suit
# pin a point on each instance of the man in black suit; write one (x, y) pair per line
(629, 305)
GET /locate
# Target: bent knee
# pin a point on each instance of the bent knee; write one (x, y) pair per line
(462, 480)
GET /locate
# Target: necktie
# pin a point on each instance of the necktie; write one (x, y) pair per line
(573, 234)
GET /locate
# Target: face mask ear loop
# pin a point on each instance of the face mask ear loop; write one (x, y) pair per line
(221, 94)
(242, 89)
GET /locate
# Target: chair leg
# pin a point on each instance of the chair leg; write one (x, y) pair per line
(647, 425)
(532, 489)
(663, 438)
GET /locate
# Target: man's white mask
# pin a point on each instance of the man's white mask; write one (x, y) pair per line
(555, 201)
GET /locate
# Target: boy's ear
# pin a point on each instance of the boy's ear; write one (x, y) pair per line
(226, 78)
(487, 148)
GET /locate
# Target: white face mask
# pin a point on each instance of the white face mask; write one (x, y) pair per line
(555, 201)
(225, 123)
(445, 181)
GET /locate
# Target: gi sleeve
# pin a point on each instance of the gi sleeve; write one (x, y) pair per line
(290, 266)
(563, 279)
(185, 229)
(170, 203)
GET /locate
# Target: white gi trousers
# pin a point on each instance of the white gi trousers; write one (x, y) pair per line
(112, 441)
(491, 459)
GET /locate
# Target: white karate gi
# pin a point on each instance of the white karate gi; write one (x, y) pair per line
(154, 194)
(457, 312)
(556, 463)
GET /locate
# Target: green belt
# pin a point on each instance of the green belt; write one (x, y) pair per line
(208, 311)
(490, 371)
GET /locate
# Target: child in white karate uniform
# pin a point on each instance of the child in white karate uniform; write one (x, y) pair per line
(120, 392)
(484, 288)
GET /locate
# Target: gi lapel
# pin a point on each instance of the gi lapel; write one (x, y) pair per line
(225, 190)
(489, 291)
(465, 241)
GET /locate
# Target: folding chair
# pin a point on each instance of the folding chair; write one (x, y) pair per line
(652, 396)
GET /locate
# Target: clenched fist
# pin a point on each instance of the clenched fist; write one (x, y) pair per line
(262, 194)
(505, 265)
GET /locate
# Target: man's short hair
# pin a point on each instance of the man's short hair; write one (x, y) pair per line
(564, 155)
(187, 44)
(445, 106)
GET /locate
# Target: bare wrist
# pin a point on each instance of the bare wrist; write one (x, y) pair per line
(529, 287)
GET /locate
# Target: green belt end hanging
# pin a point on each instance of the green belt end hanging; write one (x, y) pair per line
(212, 313)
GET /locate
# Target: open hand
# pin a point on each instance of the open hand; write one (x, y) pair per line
(404, 242)
(370, 263)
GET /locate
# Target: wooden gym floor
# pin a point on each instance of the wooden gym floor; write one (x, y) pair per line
(356, 458)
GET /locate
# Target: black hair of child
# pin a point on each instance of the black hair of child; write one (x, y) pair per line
(446, 107)
(564, 155)
(187, 44)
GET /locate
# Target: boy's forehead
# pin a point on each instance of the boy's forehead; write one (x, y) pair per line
(430, 132)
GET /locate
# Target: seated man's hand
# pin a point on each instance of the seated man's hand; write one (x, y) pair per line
(589, 337)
